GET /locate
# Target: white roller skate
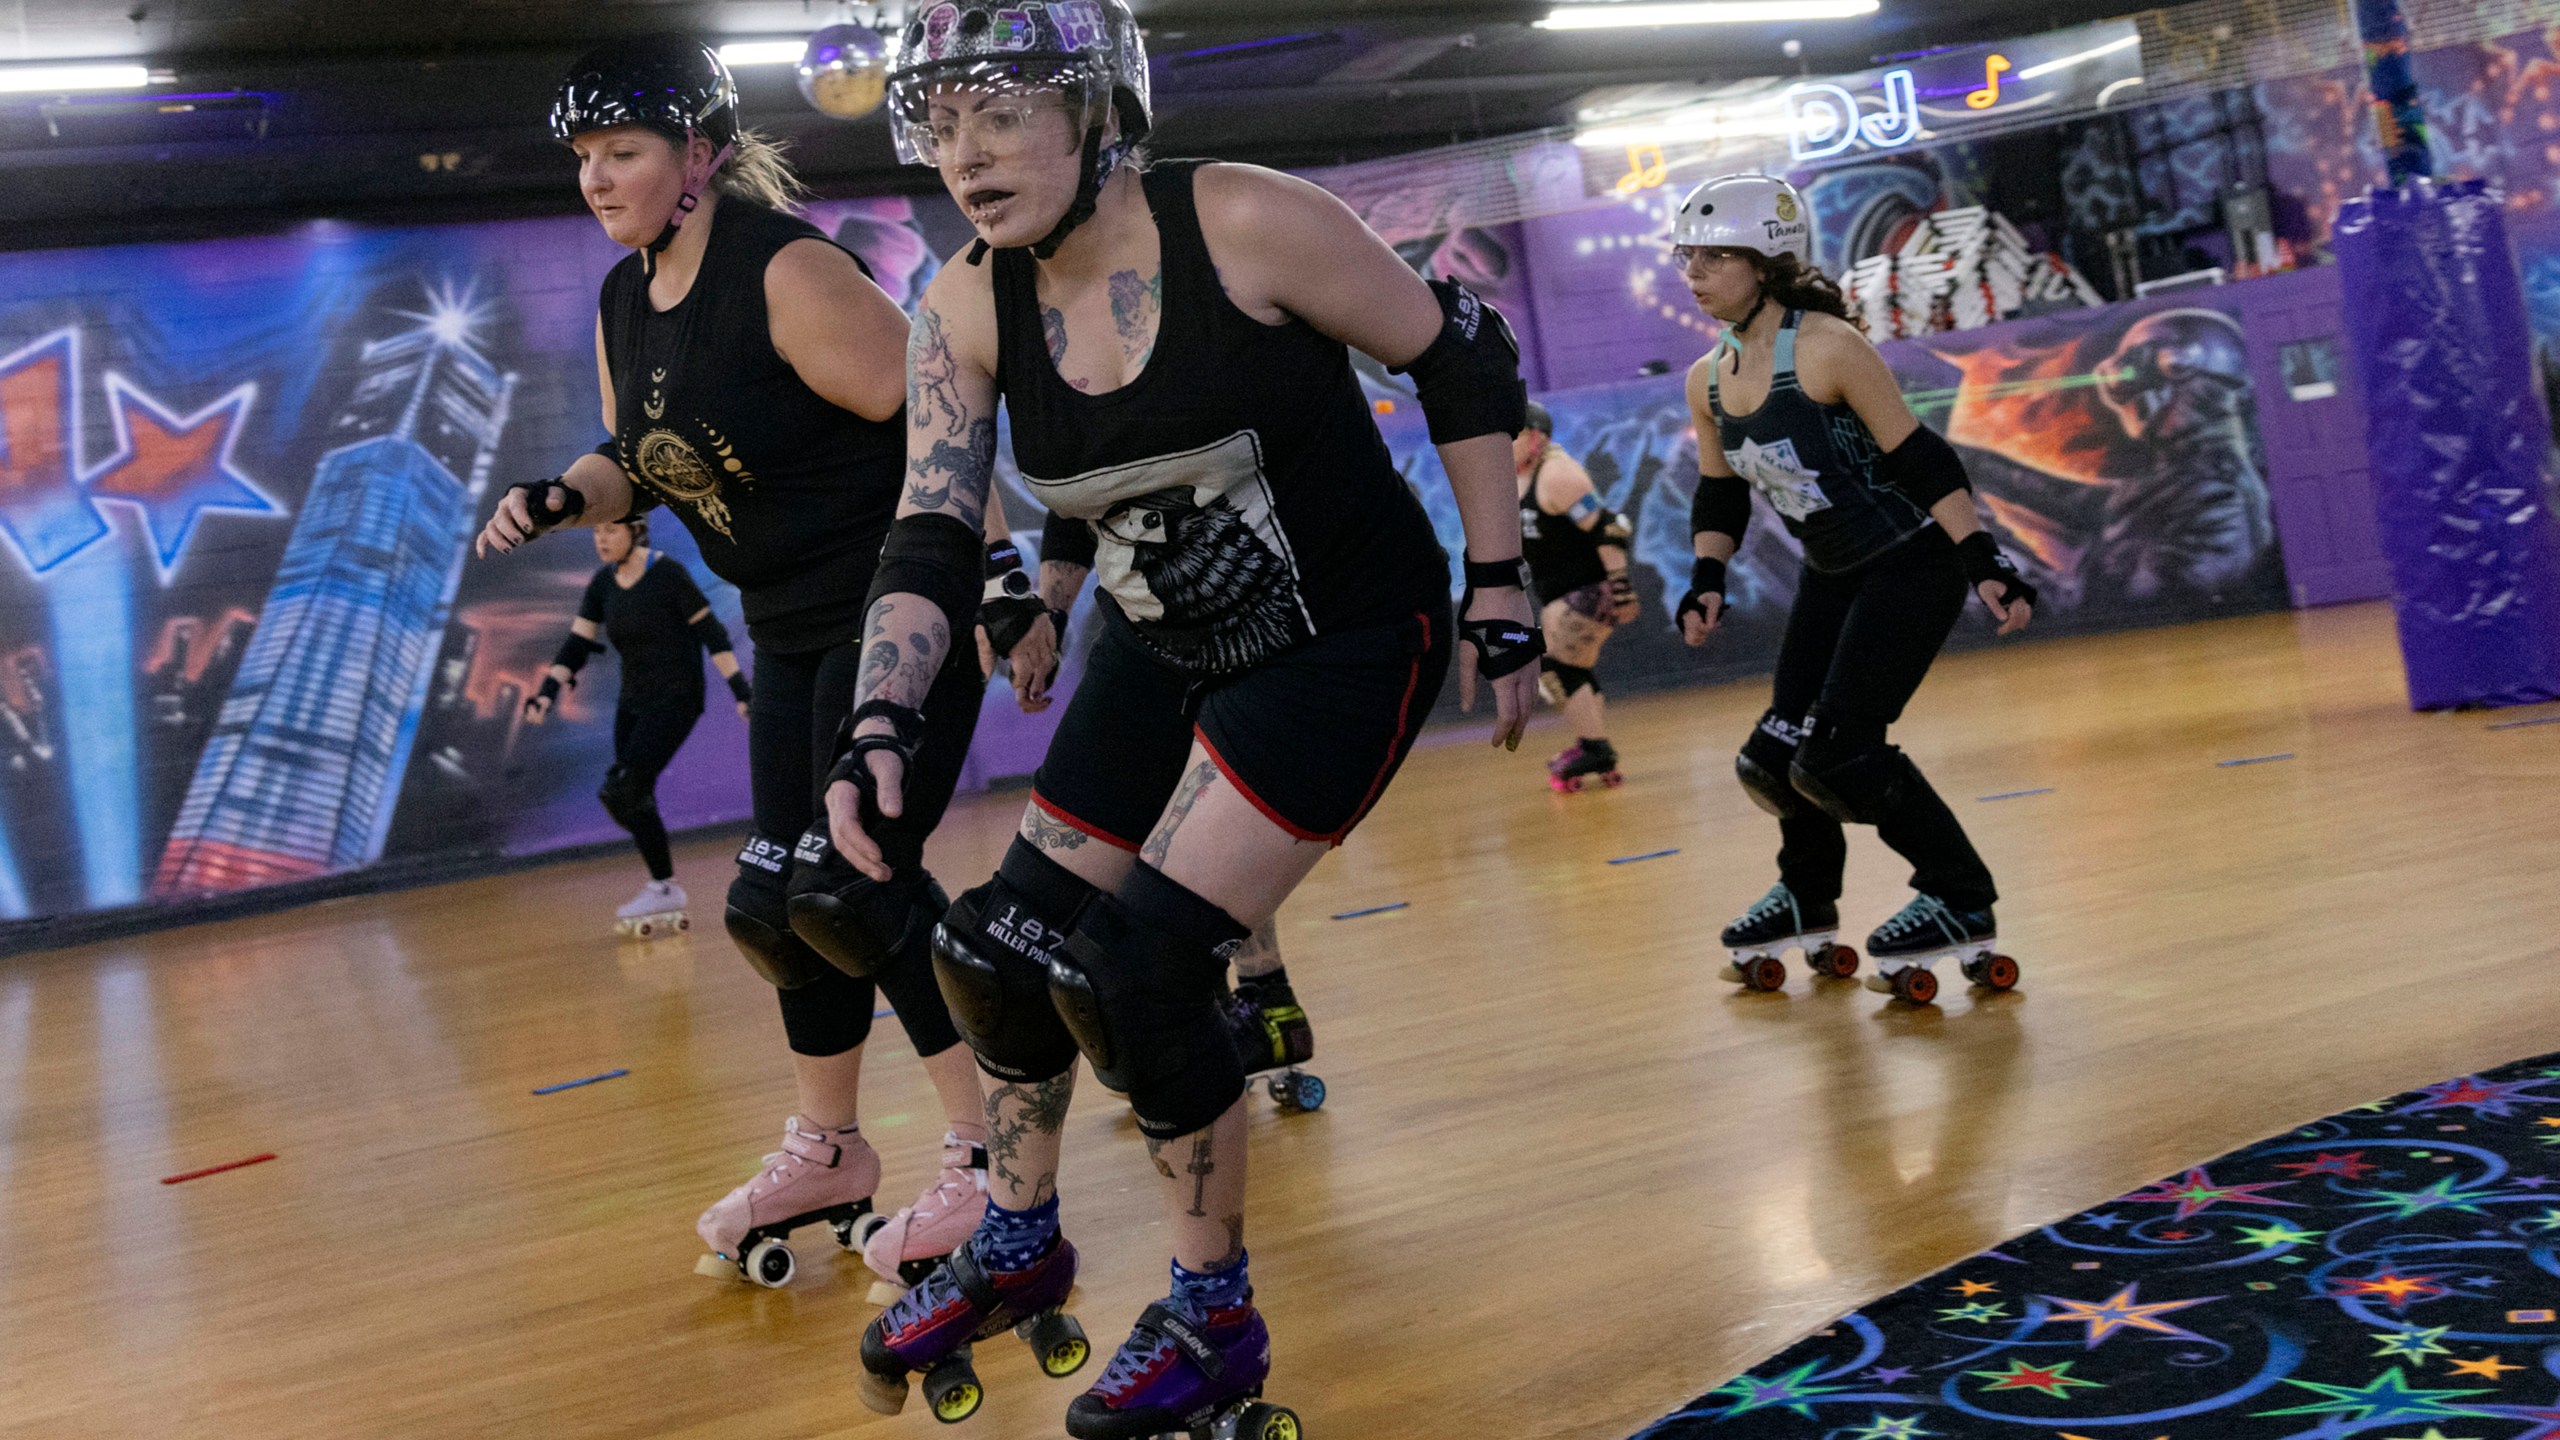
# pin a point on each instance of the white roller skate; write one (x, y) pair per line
(657, 910)
(1927, 931)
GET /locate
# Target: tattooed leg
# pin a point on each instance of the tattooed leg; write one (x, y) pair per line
(1203, 1175)
(1261, 953)
(1023, 1122)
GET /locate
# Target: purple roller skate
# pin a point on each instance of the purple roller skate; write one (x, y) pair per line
(1175, 1377)
(932, 1327)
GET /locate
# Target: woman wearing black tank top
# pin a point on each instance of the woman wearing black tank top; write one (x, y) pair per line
(1577, 553)
(1797, 405)
(1171, 345)
(647, 604)
(753, 383)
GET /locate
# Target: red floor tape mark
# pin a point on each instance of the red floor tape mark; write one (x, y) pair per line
(215, 1169)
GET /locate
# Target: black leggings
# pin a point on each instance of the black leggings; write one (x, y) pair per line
(1857, 646)
(800, 700)
(645, 739)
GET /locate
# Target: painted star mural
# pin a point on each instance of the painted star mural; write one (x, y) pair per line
(174, 468)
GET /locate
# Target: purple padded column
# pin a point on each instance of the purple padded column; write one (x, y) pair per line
(2456, 435)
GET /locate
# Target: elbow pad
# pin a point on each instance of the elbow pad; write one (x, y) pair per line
(713, 635)
(939, 557)
(1066, 541)
(1468, 382)
(574, 652)
(1924, 467)
(1722, 504)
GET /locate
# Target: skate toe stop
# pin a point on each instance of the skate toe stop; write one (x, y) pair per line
(715, 1267)
(879, 1396)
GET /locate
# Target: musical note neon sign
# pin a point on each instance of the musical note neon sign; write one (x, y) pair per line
(1989, 94)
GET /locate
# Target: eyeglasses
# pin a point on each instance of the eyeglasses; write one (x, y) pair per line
(1695, 257)
(998, 130)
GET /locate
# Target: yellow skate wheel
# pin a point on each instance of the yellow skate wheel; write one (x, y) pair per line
(953, 1392)
(1267, 1422)
(1058, 1340)
(1065, 1358)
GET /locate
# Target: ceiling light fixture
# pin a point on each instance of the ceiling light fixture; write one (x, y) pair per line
(738, 53)
(1705, 12)
(63, 79)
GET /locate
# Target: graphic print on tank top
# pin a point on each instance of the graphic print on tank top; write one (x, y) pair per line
(1779, 475)
(1188, 547)
(668, 463)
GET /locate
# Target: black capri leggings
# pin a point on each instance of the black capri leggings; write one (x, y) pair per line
(800, 701)
(645, 739)
(1858, 645)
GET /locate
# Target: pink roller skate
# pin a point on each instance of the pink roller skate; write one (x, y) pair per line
(903, 1249)
(1582, 765)
(817, 1175)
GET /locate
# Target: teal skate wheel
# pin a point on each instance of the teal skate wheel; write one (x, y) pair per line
(1308, 1093)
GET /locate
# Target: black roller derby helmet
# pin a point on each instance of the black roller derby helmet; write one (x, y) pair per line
(674, 84)
(1539, 420)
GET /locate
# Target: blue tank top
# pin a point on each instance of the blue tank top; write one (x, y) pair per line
(1816, 466)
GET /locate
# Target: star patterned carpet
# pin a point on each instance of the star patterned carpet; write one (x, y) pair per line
(2391, 1272)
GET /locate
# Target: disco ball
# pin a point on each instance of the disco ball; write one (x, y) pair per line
(845, 71)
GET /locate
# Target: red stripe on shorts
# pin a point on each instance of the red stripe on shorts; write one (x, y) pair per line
(1404, 722)
(1050, 808)
(1258, 803)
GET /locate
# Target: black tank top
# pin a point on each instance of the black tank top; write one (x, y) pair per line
(1241, 495)
(1563, 557)
(788, 494)
(649, 627)
(1815, 464)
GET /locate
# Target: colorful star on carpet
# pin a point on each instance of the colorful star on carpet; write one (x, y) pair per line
(2388, 1398)
(2397, 1289)
(2274, 1233)
(2553, 1121)
(2481, 1097)
(2546, 1419)
(2433, 1433)
(1970, 1288)
(2446, 1194)
(173, 468)
(2493, 1368)
(2412, 1344)
(1889, 1375)
(1977, 1313)
(2352, 1165)
(2546, 1222)
(2195, 1192)
(2055, 1379)
(1794, 1390)
(1882, 1428)
(2119, 1311)
(2101, 1220)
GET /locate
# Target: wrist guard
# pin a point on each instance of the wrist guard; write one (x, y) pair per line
(1706, 577)
(1007, 606)
(905, 737)
(1502, 646)
(551, 503)
(1980, 556)
(739, 687)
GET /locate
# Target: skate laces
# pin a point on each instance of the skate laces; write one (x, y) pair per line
(1924, 912)
(1779, 900)
(802, 1147)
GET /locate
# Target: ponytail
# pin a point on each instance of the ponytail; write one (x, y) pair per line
(1794, 285)
(758, 172)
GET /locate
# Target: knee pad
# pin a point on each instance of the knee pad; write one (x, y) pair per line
(1139, 984)
(861, 926)
(759, 917)
(1764, 762)
(1852, 774)
(1560, 682)
(630, 803)
(991, 957)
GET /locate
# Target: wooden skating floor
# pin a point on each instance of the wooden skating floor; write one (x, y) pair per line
(1566, 1178)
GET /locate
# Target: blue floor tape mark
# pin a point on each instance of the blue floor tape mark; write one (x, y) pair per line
(574, 1084)
(2520, 724)
(2252, 760)
(2015, 794)
(1648, 855)
(1372, 910)
(883, 1013)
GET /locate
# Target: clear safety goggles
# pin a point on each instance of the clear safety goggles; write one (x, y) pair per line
(986, 108)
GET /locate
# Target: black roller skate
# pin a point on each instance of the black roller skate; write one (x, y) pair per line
(1775, 924)
(1582, 765)
(1926, 931)
(1271, 1033)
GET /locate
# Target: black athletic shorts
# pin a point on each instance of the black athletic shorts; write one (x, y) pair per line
(1310, 736)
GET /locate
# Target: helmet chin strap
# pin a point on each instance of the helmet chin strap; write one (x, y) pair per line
(1088, 198)
(694, 184)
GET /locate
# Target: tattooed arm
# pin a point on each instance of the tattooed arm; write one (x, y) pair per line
(907, 634)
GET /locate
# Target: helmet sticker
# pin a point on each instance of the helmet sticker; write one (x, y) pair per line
(1786, 206)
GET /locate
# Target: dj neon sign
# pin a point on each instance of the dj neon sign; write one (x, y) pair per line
(1824, 119)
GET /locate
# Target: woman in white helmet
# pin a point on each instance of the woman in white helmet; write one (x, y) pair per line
(1797, 405)
(1171, 344)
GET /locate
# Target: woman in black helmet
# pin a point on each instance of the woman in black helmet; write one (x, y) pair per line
(1172, 347)
(1577, 553)
(753, 378)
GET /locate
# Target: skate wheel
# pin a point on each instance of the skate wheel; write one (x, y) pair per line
(1916, 985)
(1994, 972)
(770, 1264)
(1766, 973)
(684, 922)
(1838, 961)
(855, 1233)
(1613, 779)
(952, 1389)
(1058, 1340)
(881, 1394)
(1307, 1093)
(1258, 1421)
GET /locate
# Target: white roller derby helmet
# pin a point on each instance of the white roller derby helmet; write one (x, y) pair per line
(1761, 213)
